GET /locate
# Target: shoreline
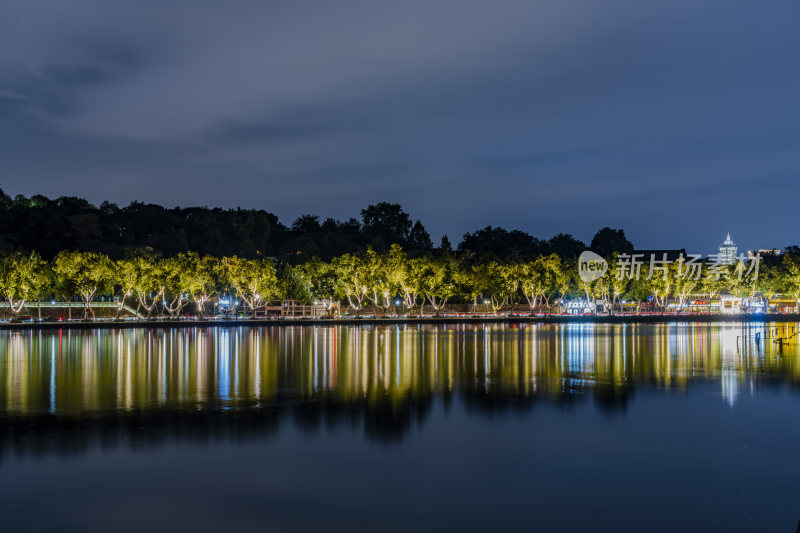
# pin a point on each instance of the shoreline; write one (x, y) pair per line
(290, 322)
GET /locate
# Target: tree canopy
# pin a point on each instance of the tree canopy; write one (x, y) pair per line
(48, 226)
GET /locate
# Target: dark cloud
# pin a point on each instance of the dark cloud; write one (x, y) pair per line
(674, 120)
(49, 92)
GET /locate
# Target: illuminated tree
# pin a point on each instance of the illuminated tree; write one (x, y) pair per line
(437, 282)
(591, 290)
(125, 277)
(661, 285)
(292, 284)
(145, 276)
(552, 270)
(532, 283)
(603, 289)
(202, 279)
(23, 277)
(510, 276)
(88, 273)
(498, 281)
(385, 275)
(638, 290)
(540, 280)
(714, 283)
(684, 282)
(618, 282)
(322, 283)
(412, 286)
(42, 281)
(769, 279)
(173, 279)
(468, 281)
(790, 267)
(740, 285)
(375, 280)
(565, 277)
(351, 275)
(254, 280)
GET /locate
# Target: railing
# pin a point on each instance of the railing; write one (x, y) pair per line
(32, 305)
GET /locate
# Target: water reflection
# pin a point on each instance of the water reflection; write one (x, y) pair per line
(63, 390)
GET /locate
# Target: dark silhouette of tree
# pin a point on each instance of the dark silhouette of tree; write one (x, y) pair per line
(306, 224)
(47, 226)
(385, 224)
(607, 241)
(565, 246)
(418, 240)
(498, 243)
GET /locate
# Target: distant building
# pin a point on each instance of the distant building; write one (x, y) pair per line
(728, 251)
(764, 252)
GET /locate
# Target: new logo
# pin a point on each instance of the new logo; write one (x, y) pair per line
(591, 266)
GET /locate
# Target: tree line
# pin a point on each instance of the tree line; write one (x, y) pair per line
(47, 226)
(390, 281)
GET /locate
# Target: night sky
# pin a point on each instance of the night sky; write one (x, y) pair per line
(676, 120)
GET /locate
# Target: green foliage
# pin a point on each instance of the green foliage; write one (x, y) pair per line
(436, 281)
(352, 274)
(385, 275)
(202, 279)
(254, 280)
(540, 280)
(85, 273)
(380, 279)
(685, 282)
(790, 284)
(498, 282)
(23, 277)
(173, 277)
(322, 283)
(144, 271)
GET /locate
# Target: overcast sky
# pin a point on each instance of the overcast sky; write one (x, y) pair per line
(676, 120)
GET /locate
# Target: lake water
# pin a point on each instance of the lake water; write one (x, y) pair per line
(575, 427)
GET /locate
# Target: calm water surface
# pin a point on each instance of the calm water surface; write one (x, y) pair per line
(396, 428)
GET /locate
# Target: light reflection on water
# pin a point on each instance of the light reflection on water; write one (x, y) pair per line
(468, 427)
(74, 372)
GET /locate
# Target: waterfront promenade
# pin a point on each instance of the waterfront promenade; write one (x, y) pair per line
(161, 322)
